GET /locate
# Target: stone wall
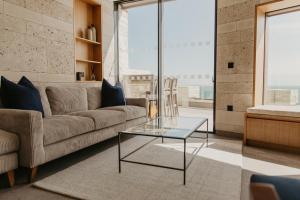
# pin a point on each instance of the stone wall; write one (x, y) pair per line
(108, 48)
(36, 40)
(235, 43)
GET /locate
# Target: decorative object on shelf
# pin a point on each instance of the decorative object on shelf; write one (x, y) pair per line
(81, 33)
(79, 76)
(93, 76)
(89, 33)
(94, 32)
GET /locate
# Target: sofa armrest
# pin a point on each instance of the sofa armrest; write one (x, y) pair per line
(28, 125)
(142, 102)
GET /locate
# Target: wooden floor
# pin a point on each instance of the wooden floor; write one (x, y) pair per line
(254, 160)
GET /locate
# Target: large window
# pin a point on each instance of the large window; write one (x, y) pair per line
(166, 53)
(282, 58)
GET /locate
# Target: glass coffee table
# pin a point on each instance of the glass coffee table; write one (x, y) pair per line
(179, 128)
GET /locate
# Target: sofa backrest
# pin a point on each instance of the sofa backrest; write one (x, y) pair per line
(45, 102)
(65, 100)
(93, 97)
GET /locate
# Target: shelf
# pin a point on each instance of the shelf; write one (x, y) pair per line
(89, 81)
(88, 41)
(88, 61)
(92, 2)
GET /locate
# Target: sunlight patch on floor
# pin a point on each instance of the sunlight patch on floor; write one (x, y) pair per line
(268, 168)
(246, 163)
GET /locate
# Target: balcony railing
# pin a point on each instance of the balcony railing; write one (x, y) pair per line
(192, 95)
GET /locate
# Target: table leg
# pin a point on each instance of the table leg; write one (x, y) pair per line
(149, 110)
(207, 133)
(119, 150)
(184, 162)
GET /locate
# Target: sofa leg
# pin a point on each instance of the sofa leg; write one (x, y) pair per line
(11, 178)
(32, 174)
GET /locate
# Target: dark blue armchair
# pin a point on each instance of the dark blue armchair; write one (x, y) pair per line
(274, 188)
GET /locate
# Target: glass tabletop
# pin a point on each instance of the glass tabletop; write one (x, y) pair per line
(168, 127)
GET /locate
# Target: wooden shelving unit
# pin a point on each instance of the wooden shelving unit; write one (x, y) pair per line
(88, 53)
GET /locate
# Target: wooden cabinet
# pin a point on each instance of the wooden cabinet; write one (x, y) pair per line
(88, 53)
(272, 131)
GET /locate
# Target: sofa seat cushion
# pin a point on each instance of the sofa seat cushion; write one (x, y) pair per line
(284, 111)
(132, 112)
(9, 142)
(61, 127)
(103, 118)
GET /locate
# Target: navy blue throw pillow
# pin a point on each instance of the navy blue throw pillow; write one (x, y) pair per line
(112, 95)
(22, 96)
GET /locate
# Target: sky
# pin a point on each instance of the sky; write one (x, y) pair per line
(189, 41)
(188, 37)
(283, 55)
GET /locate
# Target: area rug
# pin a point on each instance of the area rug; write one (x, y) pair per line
(97, 177)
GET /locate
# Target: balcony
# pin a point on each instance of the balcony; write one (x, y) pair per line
(194, 96)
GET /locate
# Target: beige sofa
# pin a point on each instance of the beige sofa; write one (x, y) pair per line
(73, 120)
(9, 145)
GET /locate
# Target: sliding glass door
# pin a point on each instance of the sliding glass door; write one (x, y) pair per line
(166, 52)
(138, 50)
(188, 57)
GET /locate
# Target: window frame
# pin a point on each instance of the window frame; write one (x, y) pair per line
(262, 12)
(267, 33)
